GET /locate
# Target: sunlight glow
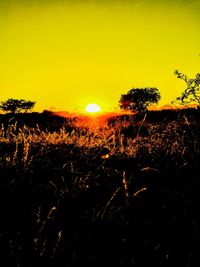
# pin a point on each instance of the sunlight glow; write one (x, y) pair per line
(92, 108)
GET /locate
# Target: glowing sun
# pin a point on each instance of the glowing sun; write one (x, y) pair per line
(92, 108)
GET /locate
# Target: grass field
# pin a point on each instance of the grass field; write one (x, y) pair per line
(121, 193)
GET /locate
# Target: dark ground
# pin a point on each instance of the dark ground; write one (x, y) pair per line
(72, 207)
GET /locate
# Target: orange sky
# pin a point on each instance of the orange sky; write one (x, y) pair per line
(66, 54)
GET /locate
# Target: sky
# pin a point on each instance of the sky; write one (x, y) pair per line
(64, 54)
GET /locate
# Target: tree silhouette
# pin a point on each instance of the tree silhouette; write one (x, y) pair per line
(192, 92)
(139, 99)
(16, 105)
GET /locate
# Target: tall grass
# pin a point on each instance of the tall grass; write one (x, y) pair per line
(170, 139)
(69, 182)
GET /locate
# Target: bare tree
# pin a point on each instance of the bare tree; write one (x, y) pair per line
(192, 92)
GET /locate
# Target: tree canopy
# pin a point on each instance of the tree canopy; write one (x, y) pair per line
(139, 99)
(192, 92)
(16, 105)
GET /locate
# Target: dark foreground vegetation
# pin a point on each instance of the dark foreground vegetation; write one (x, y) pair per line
(123, 194)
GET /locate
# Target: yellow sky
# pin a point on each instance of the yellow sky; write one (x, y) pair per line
(66, 54)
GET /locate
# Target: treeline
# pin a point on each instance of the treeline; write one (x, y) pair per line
(135, 100)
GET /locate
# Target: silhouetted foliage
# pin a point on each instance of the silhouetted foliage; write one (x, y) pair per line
(192, 93)
(16, 105)
(139, 99)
